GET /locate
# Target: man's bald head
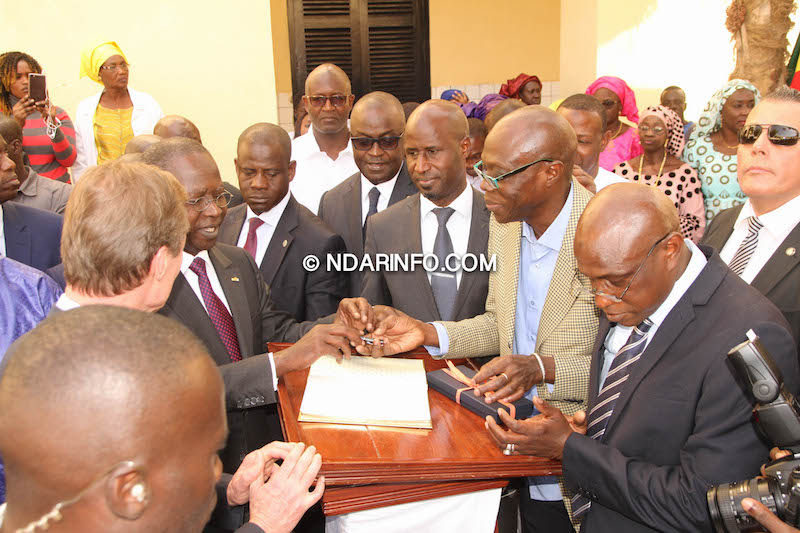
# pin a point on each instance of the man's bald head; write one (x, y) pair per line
(446, 115)
(177, 126)
(618, 231)
(116, 396)
(10, 130)
(376, 116)
(506, 107)
(327, 71)
(142, 142)
(264, 133)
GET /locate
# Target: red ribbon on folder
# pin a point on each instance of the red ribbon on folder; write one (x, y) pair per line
(459, 376)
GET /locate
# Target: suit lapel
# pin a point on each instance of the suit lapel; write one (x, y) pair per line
(419, 277)
(354, 216)
(508, 288)
(563, 290)
(186, 305)
(479, 228)
(281, 240)
(403, 187)
(229, 277)
(19, 244)
(780, 264)
(597, 359)
(232, 225)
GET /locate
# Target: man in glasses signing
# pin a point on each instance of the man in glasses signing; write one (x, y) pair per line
(324, 156)
(760, 240)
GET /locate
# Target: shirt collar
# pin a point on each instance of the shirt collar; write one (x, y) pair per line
(553, 236)
(188, 258)
(384, 188)
(30, 186)
(696, 264)
(461, 205)
(65, 303)
(273, 216)
(779, 222)
(311, 146)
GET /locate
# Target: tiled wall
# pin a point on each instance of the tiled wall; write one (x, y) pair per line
(550, 93)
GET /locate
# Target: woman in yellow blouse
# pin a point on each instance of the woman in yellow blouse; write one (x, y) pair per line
(106, 121)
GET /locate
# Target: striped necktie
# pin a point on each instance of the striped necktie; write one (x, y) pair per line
(748, 246)
(613, 386)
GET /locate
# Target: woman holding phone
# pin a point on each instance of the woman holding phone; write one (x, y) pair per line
(106, 121)
(51, 151)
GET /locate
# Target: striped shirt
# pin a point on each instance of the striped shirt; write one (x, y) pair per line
(49, 157)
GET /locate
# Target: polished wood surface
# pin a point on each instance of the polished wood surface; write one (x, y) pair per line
(342, 500)
(458, 448)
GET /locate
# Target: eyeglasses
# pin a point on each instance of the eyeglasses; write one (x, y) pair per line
(337, 100)
(114, 68)
(778, 135)
(493, 181)
(618, 299)
(202, 203)
(658, 130)
(388, 142)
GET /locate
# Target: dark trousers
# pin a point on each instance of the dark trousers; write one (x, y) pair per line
(543, 517)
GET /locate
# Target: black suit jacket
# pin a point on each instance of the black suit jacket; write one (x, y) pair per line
(779, 278)
(396, 230)
(32, 236)
(299, 233)
(340, 208)
(683, 423)
(249, 391)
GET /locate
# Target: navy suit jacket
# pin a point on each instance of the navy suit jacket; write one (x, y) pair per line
(32, 236)
(683, 422)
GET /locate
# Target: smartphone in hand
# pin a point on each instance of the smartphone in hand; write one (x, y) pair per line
(37, 87)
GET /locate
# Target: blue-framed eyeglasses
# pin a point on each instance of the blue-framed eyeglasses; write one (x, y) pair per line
(494, 181)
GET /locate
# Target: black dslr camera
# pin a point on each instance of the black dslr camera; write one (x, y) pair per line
(778, 413)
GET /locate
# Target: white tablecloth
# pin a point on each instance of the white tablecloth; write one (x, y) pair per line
(475, 512)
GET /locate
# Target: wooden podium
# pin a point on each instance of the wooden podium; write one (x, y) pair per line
(366, 467)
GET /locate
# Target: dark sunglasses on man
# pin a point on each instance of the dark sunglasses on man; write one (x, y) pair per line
(337, 100)
(777, 134)
(362, 144)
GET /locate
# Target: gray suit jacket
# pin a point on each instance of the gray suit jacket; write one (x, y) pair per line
(397, 231)
(779, 278)
(340, 208)
(299, 233)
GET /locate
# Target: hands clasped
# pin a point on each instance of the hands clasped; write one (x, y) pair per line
(393, 332)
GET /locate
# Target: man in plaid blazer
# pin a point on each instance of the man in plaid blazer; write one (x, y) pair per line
(535, 207)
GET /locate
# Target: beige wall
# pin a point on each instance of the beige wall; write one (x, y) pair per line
(470, 44)
(209, 62)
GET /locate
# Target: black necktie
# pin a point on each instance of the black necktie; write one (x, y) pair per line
(374, 194)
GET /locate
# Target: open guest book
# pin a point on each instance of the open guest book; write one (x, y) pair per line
(367, 391)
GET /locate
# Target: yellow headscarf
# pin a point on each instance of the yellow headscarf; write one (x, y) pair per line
(93, 57)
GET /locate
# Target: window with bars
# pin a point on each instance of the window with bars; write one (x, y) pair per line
(382, 45)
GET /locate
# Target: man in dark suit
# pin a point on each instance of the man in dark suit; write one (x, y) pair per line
(279, 232)
(666, 418)
(436, 145)
(30, 236)
(767, 226)
(376, 125)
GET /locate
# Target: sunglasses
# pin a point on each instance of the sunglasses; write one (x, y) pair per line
(363, 144)
(777, 134)
(337, 100)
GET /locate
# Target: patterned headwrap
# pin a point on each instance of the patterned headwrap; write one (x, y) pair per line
(94, 55)
(711, 118)
(623, 92)
(513, 86)
(674, 126)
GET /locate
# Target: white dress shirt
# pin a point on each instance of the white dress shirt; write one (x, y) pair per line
(458, 225)
(778, 223)
(605, 178)
(2, 234)
(475, 181)
(618, 335)
(384, 188)
(266, 230)
(194, 280)
(316, 172)
(65, 303)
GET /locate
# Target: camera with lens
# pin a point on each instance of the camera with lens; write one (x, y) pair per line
(778, 414)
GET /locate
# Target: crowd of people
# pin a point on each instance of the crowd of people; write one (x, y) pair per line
(634, 248)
